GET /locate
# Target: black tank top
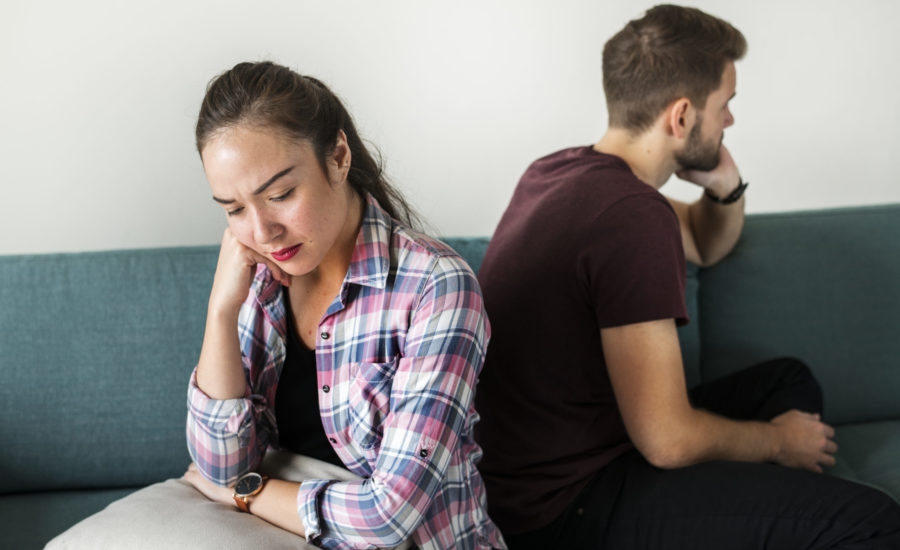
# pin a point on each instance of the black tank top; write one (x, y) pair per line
(297, 401)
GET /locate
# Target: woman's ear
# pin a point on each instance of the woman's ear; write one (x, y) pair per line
(680, 118)
(339, 163)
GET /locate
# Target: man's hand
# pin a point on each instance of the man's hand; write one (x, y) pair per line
(806, 441)
(720, 181)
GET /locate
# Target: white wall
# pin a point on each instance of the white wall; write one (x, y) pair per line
(98, 100)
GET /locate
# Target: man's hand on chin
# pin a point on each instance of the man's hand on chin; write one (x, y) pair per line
(720, 181)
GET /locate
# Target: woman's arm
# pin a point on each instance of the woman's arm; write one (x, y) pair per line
(276, 503)
(222, 413)
(220, 371)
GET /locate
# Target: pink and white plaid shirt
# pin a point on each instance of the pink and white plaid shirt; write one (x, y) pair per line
(398, 356)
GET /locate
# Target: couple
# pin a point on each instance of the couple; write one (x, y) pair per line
(336, 331)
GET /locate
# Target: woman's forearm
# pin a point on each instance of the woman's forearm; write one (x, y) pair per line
(220, 371)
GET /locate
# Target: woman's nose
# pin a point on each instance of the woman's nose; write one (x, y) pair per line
(265, 229)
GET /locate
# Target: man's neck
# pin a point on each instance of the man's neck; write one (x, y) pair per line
(646, 154)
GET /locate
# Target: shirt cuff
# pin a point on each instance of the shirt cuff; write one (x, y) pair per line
(308, 506)
(217, 415)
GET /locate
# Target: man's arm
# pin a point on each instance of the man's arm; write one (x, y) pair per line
(710, 230)
(644, 363)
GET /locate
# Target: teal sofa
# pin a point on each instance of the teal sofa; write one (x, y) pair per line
(96, 349)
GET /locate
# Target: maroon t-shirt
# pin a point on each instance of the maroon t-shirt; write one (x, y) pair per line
(583, 245)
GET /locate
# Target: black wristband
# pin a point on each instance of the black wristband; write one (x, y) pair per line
(733, 196)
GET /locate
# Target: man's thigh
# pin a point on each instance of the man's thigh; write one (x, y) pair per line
(730, 505)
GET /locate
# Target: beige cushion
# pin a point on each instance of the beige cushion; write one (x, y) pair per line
(172, 514)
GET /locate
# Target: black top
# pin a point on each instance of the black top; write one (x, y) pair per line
(297, 401)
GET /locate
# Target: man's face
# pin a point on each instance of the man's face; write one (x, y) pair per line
(701, 150)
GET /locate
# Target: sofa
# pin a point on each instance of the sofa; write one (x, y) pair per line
(96, 349)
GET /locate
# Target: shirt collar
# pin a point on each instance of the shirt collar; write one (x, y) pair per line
(371, 260)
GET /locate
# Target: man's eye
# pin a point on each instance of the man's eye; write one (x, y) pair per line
(235, 211)
(283, 196)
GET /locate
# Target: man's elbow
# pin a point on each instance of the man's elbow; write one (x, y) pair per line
(667, 453)
(711, 258)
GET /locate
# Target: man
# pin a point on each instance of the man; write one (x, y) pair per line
(590, 436)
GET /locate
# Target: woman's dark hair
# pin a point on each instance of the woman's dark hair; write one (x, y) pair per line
(670, 52)
(267, 95)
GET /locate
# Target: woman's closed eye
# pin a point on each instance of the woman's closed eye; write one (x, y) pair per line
(282, 196)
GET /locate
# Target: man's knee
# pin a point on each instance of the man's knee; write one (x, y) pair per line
(797, 371)
(797, 374)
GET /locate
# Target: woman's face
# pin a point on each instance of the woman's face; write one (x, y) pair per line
(278, 200)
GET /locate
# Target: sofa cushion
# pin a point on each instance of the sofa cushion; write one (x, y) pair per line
(172, 514)
(689, 334)
(98, 348)
(869, 453)
(31, 520)
(819, 286)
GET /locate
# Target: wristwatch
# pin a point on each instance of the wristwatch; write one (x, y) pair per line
(248, 485)
(733, 196)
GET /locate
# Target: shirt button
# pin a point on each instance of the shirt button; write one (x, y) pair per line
(333, 440)
(325, 336)
(326, 388)
(423, 453)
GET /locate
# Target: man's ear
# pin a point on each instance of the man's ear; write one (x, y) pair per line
(339, 163)
(680, 118)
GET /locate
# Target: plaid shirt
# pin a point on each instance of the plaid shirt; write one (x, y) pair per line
(398, 355)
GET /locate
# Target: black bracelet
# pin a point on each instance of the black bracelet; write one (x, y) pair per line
(733, 196)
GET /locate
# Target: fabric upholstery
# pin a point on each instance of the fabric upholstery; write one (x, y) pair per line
(97, 351)
(819, 286)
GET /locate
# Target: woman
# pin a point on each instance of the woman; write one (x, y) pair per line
(333, 330)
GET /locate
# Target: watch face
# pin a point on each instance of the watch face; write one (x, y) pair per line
(247, 484)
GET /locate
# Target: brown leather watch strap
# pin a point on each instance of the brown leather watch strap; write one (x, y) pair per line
(243, 502)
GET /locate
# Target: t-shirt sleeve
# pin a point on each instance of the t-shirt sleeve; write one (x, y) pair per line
(634, 267)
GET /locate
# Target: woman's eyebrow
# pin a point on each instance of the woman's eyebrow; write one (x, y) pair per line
(259, 189)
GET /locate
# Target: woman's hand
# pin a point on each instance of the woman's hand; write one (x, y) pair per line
(276, 503)
(234, 273)
(215, 493)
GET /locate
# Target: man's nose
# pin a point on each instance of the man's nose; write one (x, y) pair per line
(729, 118)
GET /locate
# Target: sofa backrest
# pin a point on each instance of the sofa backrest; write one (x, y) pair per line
(95, 353)
(819, 286)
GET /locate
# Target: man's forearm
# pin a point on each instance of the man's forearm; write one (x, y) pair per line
(716, 227)
(714, 437)
(795, 439)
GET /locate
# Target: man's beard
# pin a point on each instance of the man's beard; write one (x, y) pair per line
(698, 155)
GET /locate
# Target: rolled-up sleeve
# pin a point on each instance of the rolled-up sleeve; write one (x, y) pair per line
(222, 435)
(430, 399)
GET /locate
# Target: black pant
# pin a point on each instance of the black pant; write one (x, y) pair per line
(721, 505)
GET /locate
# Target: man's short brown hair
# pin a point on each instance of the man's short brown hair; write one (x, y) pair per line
(670, 52)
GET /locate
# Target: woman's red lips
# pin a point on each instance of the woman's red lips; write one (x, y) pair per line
(285, 253)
